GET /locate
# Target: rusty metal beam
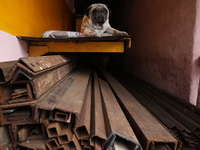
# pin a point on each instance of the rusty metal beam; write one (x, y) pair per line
(27, 131)
(49, 100)
(52, 143)
(116, 120)
(5, 68)
(74, 144)
(73, 98)
(31, 145)
(145, 126)
(184, 120)
(65, 135)
(13, 113)
(82, 126)
(5, 138)
(44, 82)
(33, 66)
(98, 129)
(54, 129)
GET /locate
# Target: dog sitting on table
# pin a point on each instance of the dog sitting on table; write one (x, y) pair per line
(96, 22)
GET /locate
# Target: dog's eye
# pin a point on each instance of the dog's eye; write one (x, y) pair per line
(94, 11)
(105, 10)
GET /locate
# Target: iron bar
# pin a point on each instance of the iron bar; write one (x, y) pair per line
(98, 129)
(82, 126)
(116, 120)
(145, 126)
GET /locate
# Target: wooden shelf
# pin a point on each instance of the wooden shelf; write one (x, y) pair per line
(40, 46)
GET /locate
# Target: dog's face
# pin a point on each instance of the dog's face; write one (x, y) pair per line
(98, 13)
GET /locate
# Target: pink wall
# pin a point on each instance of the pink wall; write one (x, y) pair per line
(195, 90)
(162, 44)
(11, 48)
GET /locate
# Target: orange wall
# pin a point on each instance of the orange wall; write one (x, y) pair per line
(33, 17)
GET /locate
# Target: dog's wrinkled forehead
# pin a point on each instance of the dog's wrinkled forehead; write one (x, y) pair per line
(95, 8)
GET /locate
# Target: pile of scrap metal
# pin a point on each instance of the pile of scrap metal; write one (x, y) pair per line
(181, 118)
(47, 104)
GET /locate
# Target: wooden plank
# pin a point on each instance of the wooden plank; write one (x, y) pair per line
(38, 49)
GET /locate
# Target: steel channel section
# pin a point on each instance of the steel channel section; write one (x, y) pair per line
(52, 143)
(192, 115)
(49, 100)
(82, 125)
(189, 123)
(144, 94)
(5, 68)
(28, 135)
(33, 66)
(73, 98)
(98, 129)
(31, 145)
(14, 113)
(162, 115)
(116, 121)
(74, 144)
(42, 83)
(65, 135)
(147, 129)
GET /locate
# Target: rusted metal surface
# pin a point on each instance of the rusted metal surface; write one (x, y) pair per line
(184, 120)
(98, 129)
(66, 134)
(82, 126)
(52, 143)
(32, 66)
(50, 99)
(54, 129)
(27, 131)
(5, 139)
(12, 93)
(72, 100)
(5, 67)
(44, 82)
(116, 121)
(23, 80)
(30, 145)
(147, 129)
(74, 144)
(13, 113)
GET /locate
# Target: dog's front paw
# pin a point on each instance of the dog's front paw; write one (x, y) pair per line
(106, 34)
(98, 34)
(123, 33)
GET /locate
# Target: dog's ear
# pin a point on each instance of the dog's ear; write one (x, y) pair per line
(110, 11)
(88, 11)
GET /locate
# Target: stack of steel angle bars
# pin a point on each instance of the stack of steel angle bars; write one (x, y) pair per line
(49, 103)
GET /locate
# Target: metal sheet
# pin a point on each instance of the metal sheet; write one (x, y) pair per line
(116, 120)
(146, 127)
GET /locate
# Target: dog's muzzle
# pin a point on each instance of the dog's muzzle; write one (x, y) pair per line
(100, 17)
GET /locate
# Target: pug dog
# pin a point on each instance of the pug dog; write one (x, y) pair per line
(96, 22)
